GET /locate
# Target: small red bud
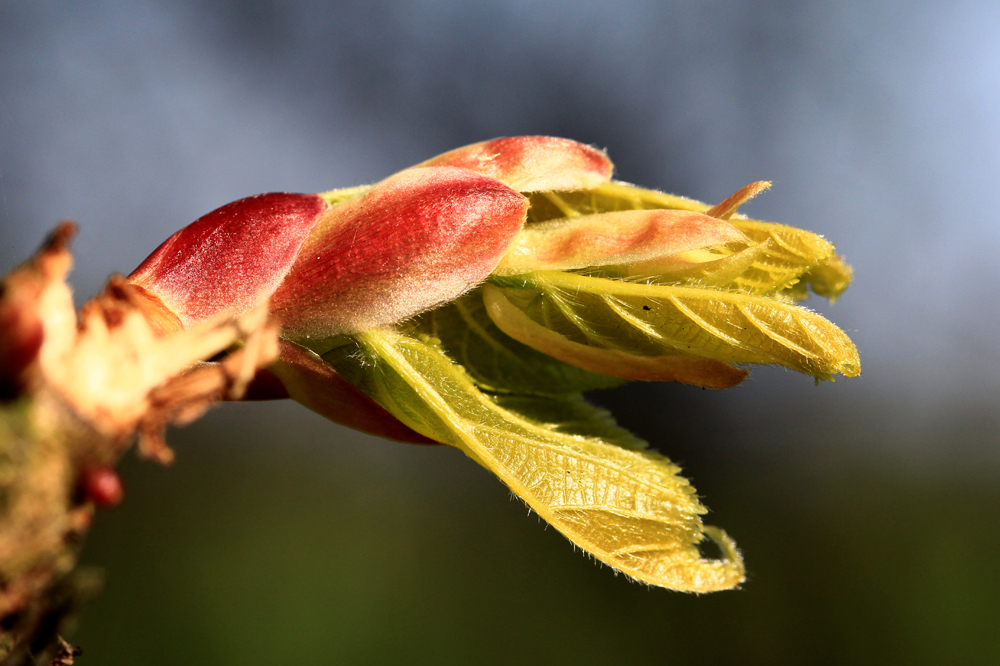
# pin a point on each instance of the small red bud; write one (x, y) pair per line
(102, 486)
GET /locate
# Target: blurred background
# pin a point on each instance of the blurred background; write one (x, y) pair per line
(868, 509)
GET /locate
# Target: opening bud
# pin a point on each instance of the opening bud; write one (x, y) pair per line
(418, 239)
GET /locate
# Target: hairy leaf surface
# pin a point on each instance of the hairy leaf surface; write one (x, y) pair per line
(669, 367)
(657, 320)
(792, 254)
(497, 362)
(627, 508)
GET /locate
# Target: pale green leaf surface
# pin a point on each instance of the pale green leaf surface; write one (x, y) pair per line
(497, 362)
(627, 508)
(791, 252)
(615, 238)
(343, 195)
(573, 415)
(709, 270)
(727, 326)
(670, 367)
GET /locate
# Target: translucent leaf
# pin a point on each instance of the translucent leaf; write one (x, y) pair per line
(627, 508)
(532, 163)
(620, 238)
(830, 279)
(791, 252)
(572, 415)
(655, 320)
(670, 367)
(497, 362)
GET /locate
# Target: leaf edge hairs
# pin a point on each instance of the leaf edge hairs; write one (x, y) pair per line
(471, 301)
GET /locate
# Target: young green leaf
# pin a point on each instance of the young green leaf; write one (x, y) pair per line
(791, 253)
(497, 362)
(662, 367)
(657, 320)
(531, 163)
(830, 278)
(571, 415)
(699, 268)
(627, 508)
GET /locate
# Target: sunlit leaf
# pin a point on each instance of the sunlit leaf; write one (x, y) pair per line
(627, 508)
(571, 415)
(345, 194)
(664, 367)
(791, 252)
(656, 320)
(698, 268)
(619, 238)
(497, 362)
(831, 278)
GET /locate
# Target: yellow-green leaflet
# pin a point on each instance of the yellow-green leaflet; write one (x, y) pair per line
(628, 508)
(830, 279)
(656, 320)
(792, 254)
(517, 324)
(495, 361)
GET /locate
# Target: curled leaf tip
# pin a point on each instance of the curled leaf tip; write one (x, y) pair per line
(831, 278)
(627, 507)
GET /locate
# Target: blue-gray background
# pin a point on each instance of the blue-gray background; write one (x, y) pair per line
(868, 509)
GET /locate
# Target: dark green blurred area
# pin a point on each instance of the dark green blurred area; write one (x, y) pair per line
(339, 549)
